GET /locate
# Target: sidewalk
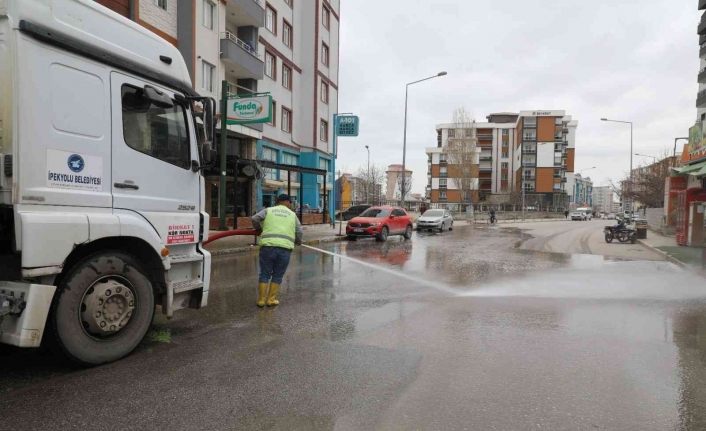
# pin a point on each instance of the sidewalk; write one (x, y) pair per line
(313, 234)
(687, 257)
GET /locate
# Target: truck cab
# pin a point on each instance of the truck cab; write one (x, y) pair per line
(102, 144)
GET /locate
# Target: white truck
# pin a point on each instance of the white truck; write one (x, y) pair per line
(102, 145)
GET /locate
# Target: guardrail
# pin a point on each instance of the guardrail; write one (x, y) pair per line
(249, 49)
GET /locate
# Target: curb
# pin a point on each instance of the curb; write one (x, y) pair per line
(668, 256)
(247, 248)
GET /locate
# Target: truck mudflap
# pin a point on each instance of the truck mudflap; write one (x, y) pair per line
(23, 312)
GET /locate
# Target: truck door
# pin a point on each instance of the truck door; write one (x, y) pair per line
(153, 149)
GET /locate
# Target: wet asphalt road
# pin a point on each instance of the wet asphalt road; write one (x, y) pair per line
(485, 330)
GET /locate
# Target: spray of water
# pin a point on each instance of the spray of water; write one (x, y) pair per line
(438, 286)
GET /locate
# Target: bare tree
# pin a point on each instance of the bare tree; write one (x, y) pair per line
(461, 150)
(407, 185)
(369, 184)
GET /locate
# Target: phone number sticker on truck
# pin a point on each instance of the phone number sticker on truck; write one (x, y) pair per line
(68, 170)
(180, 234)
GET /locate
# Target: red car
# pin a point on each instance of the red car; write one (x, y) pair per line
(380, 222)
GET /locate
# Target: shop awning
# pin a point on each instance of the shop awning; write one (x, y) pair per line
(697, 169)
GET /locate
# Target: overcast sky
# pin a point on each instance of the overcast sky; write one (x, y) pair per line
(632, 60)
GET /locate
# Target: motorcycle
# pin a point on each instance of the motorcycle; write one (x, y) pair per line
(620, 232)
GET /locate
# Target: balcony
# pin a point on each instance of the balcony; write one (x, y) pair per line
(529, 151)
(243, 59)
(486, 157)
(701, 30)
(701, 99)
(485, 136)
(702, 77)
(529, 177)
(702, 51)
(529, 137)
(246, 12)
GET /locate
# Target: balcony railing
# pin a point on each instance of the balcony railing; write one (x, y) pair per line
(531, 137)
(249, 49)
(702, 76)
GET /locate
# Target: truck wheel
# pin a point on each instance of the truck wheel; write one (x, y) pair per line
(103, 309)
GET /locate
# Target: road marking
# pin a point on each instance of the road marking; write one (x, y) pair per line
(438, 286)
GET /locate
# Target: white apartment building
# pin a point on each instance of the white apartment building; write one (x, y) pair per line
(603, 199)
(287, 48)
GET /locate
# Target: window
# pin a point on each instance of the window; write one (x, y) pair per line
(324, 54)
(323, 130)
(504, 165)
(505, 154)
(270, 65)
(162, 4)
(506, 132)
(286, 120)
(452, 133)
(158, 132)
(291, 159)
(207, 72)
(209, 12)
(270, 155)
(442, 182)
(271, 19)
(443, 172)
(398, 212)
(324, 92)
(442, 158)
(442, 195)
(530, 134)
(286, 34)
(286, 76)
(326, 17)
(273, 123)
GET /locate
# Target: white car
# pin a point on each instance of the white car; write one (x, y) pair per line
(435, 219)
(580, 215)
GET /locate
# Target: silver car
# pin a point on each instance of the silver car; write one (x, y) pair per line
(440, 220)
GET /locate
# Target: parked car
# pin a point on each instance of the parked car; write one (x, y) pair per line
(610, 216)
(379, 223)
(351, 212)
(435, 219)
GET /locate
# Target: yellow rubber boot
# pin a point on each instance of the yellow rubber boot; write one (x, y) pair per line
(272, 298)
(261, 294)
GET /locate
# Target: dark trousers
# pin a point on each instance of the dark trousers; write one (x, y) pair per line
(273, 264)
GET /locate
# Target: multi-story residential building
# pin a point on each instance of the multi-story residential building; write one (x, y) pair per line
(286, 48)
(603, 199)
(299, 45)
(581, 193)
(496, 174)
(548, 142)
(394, 182)
(701, 96)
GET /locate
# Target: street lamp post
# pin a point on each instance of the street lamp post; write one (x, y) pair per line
(367, 185)
(404, 139)
(631, 153)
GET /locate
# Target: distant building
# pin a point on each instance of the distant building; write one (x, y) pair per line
(394, 181)
(533, 150)
(603, 199)
(581, 192)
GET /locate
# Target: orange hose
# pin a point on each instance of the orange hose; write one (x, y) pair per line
(222, 234)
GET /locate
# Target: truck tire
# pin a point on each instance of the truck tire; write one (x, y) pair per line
(103, 309)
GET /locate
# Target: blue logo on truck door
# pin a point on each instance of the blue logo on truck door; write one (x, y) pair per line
(76, 163)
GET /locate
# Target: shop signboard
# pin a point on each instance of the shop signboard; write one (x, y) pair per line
(250, 110)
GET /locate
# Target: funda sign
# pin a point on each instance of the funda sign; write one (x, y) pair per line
(251, 109)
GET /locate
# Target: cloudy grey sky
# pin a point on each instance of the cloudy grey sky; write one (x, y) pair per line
(634, 60)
